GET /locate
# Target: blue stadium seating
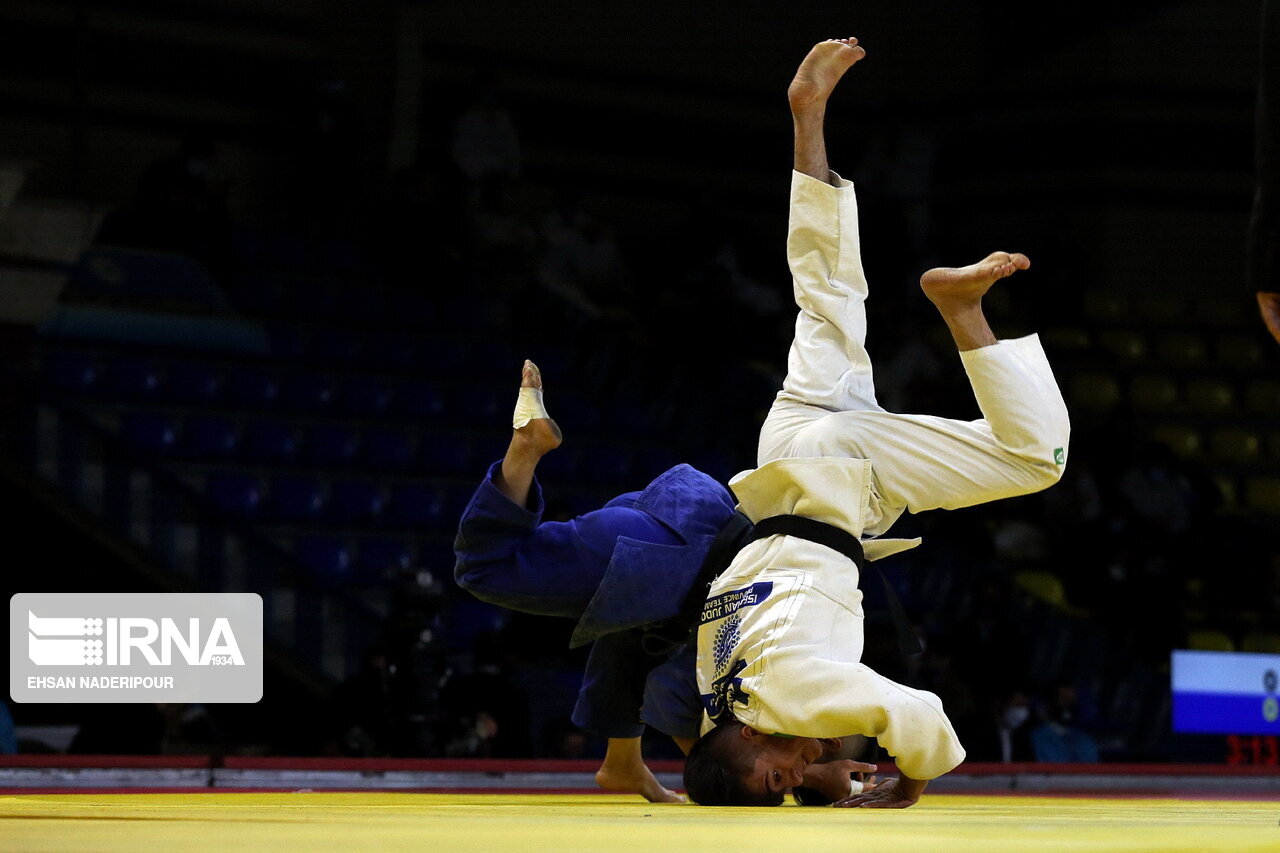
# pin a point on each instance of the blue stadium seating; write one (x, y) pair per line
(270, 442)
(335, 346)
(381, 556)
(366, 397)
(235, 493)
(332, 445)
(253, 387)
(134, 378)
(441, 452)
(308, 392)
(423, 400)
(193, 383)
(150, 432)
(296, 499)
(355, 501)
(327, 556)
(391, 351)
(209, 437)
(73, 373)
(388, 450)
(419, 506)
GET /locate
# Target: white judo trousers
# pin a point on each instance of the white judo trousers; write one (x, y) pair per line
(780, 638)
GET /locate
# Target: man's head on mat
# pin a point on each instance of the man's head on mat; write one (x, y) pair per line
(735, 765)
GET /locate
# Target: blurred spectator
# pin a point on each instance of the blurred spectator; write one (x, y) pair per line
(1059, 736)
(8, 736)
(486, 148)
(1003, 733)
(490, 713)
(119, 729)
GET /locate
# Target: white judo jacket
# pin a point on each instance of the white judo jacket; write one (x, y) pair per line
(781, 635)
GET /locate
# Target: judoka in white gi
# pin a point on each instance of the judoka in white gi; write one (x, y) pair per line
(780, 639)
(781, 636)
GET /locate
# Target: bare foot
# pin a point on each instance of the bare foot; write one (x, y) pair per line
(820, 70)
(640, 781)
(952, 288)
(540, 435)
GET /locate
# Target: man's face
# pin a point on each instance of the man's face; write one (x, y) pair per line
(777, 763)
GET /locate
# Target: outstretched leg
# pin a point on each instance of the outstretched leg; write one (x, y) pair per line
(815, 79)
(828, 367)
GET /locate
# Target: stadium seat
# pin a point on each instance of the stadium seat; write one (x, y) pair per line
(607, 462)
(1241, 352)
(1125, 344)
(1262, 397)
(355, 501)
(1105, 305)
(208, 437)
(1262, 494)
(193, 383)
(441, 452)
(72, 373)
(1045, 586)
(388, 450)
(474, 403)
(326, 556)
(288, 342)
(1236, 445)
(1210, 640)
(442, 356)
(1181, 349)
(423, 400)
(335, 346)
(150, 432)
(270, 442)
(296, 499)
(1261, 642)
(332, 445)
(1210, 396)
(134, 378)
(420, 506)
(1153, 393)
(391, 352)
(1068, 339)
(1095, 391)
(366, 397)
(379, 557)
(253, 387)
(235, 493)
(1184, 441)
(308, 392)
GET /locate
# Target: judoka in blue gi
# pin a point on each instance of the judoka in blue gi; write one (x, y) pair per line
(761, 700)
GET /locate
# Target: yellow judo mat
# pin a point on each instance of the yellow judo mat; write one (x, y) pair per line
(522, 823)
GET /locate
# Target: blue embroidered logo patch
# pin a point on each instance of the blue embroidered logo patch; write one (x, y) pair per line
(725, 640)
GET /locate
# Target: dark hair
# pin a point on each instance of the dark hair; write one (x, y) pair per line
(714, 771)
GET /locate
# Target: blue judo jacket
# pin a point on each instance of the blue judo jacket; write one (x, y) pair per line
(614, 570)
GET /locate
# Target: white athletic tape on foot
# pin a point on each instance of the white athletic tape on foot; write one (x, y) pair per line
(528, 406)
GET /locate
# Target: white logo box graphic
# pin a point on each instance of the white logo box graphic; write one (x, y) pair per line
(158, 647)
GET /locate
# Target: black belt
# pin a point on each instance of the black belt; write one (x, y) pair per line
(737, 534)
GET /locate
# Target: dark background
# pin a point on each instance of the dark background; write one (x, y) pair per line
(1111, 142)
